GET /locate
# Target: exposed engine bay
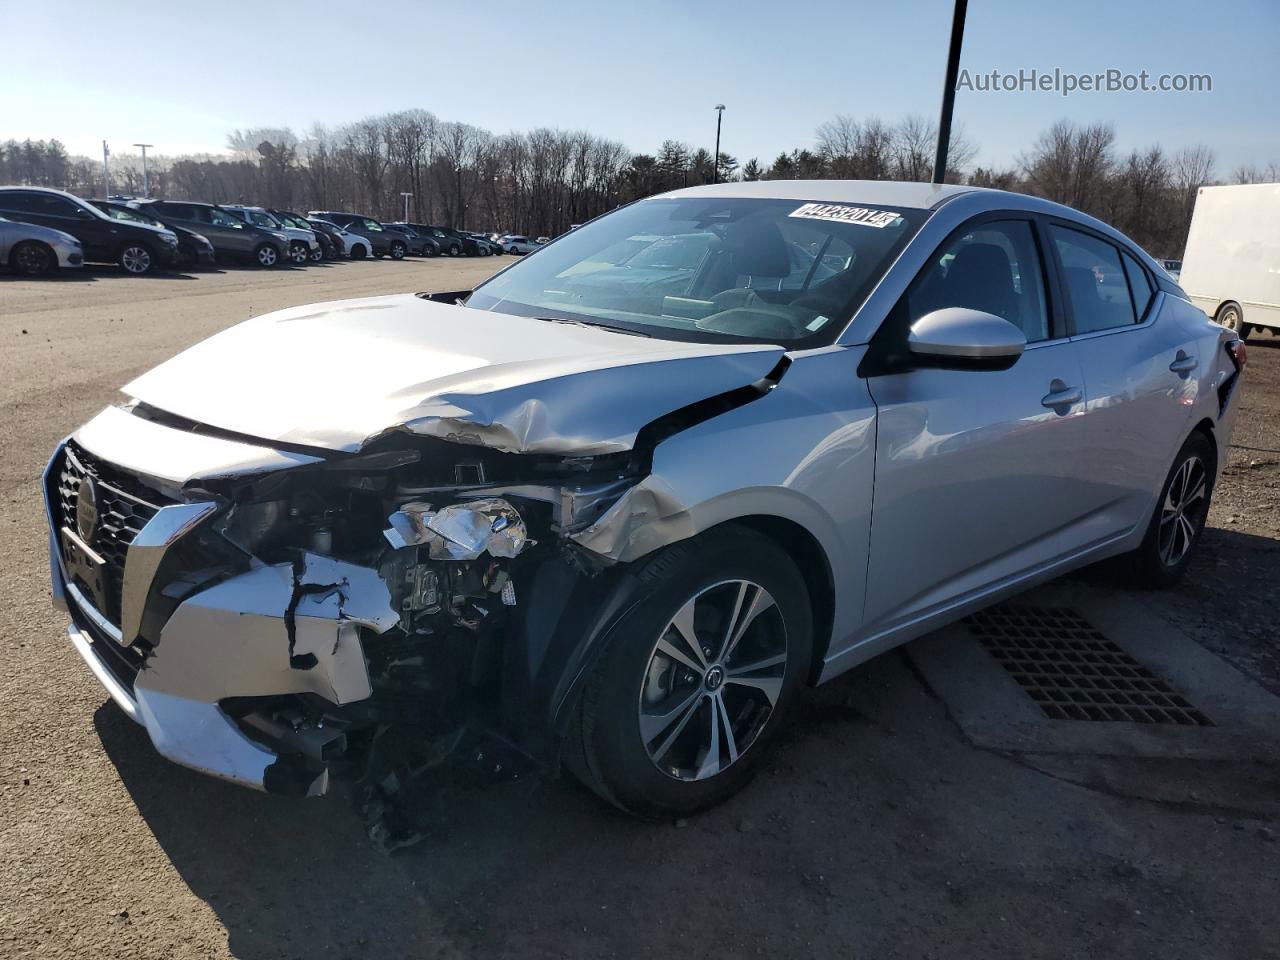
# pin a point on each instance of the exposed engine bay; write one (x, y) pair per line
(458, 541)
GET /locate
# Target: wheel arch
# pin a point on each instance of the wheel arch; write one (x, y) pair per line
(1205, 427)
(813, 566)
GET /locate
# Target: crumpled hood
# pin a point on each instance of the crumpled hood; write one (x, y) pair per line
(336, 375)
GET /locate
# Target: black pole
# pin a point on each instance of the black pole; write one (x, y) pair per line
(715, 161)
(949, 91)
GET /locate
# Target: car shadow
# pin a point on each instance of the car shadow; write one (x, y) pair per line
(869, 771)
(537, 859)
(58, 276)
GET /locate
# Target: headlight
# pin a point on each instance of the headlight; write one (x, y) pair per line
(280, 236)
(201, 238)
(461, 531)
(170, 238)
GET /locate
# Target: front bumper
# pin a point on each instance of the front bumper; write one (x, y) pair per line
(233, 641)
(206, 688)
(69, 254)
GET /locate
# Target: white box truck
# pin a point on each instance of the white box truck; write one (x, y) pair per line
(1231, 267)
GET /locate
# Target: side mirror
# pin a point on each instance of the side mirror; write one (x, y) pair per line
(83, 214)
(964, 339)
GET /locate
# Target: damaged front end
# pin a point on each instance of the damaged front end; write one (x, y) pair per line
(356, 615)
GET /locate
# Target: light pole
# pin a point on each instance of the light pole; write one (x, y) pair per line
(146, 192)
(949, 91)
(406, 204)
(106, 170)
(715, 161)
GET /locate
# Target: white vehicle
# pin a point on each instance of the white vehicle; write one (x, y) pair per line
(1231, 267)
(353, 245)
(302, 243)
(513, 243)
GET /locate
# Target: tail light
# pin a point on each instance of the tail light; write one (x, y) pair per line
(1239, 353)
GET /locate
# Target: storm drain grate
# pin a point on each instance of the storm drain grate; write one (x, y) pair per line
(1074, 672)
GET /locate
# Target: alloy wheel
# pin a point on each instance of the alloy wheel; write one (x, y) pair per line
(712, 680)
(267, 256)
(299, 254)
(1183, 512)
(136, 259)
(33, 259)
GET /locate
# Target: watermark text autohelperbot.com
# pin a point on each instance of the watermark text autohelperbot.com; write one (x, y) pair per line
(1065, 82)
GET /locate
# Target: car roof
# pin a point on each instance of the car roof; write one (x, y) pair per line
(891, 193)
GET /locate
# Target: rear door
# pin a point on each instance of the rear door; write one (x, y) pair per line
(975, 476)
(1139, 374)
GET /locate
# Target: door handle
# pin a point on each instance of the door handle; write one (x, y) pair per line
(1060, 395)
(1183, 364)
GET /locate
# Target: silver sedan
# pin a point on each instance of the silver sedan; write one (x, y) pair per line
(619, 504)
(35, 251)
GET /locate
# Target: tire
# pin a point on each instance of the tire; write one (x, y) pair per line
(31, 258)
(1232, 317)
(398, 250)
(299, 253)
(359, 252)
(316, 255)
(136, 259)
(265, 255)
(655, 762)
(1178, 518)
(454, 250)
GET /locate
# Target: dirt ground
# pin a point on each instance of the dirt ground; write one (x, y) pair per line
(878, 830)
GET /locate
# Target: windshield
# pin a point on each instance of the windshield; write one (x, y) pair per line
(123, 213)
(774, 271)
(261, 218)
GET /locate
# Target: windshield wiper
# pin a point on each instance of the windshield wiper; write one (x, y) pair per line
(591, 323)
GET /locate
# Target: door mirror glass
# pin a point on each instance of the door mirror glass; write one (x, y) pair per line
(83, 214)
(962, 338)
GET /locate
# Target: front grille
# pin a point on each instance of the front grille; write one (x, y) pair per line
(123, 662)
(124, 507)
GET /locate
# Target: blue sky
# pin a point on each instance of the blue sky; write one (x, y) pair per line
(186, 74)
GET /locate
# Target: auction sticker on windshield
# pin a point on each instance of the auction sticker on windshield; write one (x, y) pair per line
(843, 213)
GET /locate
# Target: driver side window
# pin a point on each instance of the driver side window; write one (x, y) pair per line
(994, 267)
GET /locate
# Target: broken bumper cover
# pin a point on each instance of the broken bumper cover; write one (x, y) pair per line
(272, 631)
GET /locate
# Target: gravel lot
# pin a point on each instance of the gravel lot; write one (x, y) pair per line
(879, 830)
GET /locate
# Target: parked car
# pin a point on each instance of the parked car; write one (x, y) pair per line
(519, 244)
(137, 247)
(35, 251)
(623, 527)
(194, 249)
(541, 241)
(448, 242)
(487, 247)
(381, 241)
(231, 236)
(1231, 266)
(317, 252)
(1172, 267)
(351, 245)
(420, 244)
(330, 237)
(302, 242)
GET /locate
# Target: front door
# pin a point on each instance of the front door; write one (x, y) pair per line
(975, 478)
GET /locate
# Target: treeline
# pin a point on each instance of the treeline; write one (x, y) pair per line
(543, 181)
